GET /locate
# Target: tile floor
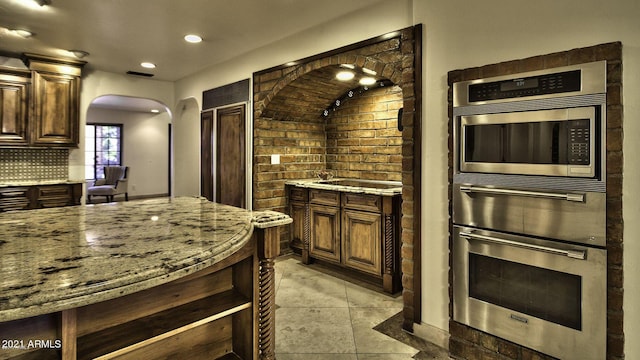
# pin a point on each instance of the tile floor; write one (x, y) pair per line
(321, 317)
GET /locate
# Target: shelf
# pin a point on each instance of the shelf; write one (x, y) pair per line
(129, 336)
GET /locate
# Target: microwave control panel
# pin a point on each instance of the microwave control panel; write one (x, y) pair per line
(579, 144)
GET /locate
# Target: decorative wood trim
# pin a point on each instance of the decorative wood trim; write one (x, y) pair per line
(268, 249)
(307, 233)
(417, 175)
(388, 244)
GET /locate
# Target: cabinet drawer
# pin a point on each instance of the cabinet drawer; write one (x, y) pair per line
(54, 191)
(14, 198)
(363, 202)
(55, 196)
(331, 198)
(299, 194)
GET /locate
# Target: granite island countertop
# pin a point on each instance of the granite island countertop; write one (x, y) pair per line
(372, 187)
(60, 258)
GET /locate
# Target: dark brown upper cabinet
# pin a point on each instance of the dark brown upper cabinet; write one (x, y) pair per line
(15, 86)
(40, 106)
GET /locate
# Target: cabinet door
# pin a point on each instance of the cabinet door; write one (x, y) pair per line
(325, 232)
(14, 94)
(55, 118)
(361, 241)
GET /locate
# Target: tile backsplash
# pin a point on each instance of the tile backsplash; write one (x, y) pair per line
(34, 164)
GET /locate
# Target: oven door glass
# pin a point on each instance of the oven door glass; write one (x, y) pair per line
(546, 294)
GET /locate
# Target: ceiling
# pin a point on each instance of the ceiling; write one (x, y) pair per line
(120, 34)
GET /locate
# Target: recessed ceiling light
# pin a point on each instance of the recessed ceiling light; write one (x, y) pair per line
(155, 111)
(22, 33)
(148, 65)
(35, 4)
(345, 75)
(78, 53)
(192, 38)
(367, 81)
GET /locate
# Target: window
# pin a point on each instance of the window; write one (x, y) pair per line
(103, 148)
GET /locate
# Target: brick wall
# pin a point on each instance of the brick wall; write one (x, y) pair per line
(302, 150)
(363, 140)
(468, 343)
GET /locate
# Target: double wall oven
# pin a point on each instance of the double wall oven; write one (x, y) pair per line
(529, 209)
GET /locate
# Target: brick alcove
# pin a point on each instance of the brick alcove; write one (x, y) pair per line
(468, 343)
(288, 103)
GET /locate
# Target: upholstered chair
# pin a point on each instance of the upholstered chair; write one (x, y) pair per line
(114, 183)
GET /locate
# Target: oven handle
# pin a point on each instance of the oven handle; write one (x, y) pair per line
(574, 254)
(538, 194)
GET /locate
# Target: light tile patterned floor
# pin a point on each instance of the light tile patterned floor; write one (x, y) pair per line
(320, 317)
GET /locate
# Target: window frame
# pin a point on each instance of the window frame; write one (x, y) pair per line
(95, 165)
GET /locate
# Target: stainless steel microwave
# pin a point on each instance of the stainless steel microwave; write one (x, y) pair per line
(558, 142)
(543, 123)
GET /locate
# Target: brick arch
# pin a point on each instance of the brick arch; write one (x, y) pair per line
(390, 71)
(397, 57)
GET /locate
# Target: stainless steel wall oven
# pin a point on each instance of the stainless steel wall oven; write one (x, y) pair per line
(529, 209)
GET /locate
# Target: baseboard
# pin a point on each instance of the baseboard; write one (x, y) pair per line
(432, 334)
(97, 199)
(150, 196)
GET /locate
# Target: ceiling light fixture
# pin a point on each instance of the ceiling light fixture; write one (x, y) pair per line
(369, 71)
(78, 53)
(191, 38)
(155, 111)
(345, 75)
(148, 65)
(348, 66)
(367, 81)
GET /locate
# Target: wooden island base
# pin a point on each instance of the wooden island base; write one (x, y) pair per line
(225, 311)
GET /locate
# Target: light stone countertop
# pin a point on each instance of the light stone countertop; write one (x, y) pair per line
(60, 258)
(372, 187)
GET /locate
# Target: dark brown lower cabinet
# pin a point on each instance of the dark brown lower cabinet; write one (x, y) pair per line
(360, 233)
(39, 196)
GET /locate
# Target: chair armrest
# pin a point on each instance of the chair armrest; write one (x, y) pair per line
(99, 182)
(121, 185)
